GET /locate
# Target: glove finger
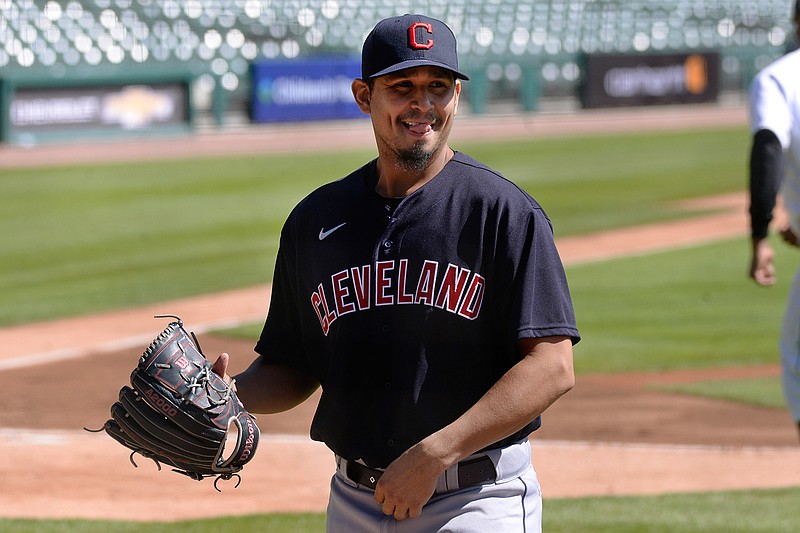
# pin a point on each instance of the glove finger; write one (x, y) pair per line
(161, 427)
(187, 416)
(151, 443)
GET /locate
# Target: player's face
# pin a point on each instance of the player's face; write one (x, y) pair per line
(412, 114)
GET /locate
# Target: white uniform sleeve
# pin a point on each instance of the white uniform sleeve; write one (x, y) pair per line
(769, 108)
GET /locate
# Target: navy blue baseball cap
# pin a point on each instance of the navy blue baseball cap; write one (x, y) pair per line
(409, 41)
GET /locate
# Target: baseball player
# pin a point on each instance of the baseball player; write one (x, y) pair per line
(775, 169)
(424, 293)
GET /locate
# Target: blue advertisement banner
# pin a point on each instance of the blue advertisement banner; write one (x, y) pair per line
(308, 89)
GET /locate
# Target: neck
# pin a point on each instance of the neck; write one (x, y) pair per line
(397, 181)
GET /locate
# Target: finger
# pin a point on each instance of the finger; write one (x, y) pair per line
(415, 512)
(765, 282)
(789, 237)
(764, 276)
(388, 509)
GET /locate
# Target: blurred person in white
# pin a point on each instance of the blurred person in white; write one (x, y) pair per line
(775, 171)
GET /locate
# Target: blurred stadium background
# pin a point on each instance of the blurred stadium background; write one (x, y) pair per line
(72, 68)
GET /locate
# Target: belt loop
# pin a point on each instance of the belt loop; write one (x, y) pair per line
(441, 484)
(451, 478)
(341, 471)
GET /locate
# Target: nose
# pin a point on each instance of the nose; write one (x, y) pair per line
(422, 99)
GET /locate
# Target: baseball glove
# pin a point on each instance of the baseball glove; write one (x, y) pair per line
(177, 411)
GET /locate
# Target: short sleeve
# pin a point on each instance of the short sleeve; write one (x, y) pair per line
(769, 107)
(541, 304)
(280, 341)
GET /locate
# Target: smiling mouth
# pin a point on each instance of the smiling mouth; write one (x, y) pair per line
(419, 128)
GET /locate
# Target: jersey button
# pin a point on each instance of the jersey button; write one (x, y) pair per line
(389, 443)
(388, 244)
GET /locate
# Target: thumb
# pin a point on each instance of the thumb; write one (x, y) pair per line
(220, 367)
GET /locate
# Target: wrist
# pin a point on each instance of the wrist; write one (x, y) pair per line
(759, 242)
(437, 452)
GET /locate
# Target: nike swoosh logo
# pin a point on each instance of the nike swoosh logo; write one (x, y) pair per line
(324, 234)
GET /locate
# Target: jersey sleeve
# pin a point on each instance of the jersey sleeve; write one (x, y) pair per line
(769, 107)
(280, 340)
(541, 301)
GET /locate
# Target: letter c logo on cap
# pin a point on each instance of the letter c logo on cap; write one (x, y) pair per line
(412, 36)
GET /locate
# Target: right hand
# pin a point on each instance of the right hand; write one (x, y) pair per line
(762, 267)
(789, 236)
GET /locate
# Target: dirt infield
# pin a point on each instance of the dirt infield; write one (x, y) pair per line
(611, 435)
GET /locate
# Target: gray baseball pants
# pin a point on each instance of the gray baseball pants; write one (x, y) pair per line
(511, 504)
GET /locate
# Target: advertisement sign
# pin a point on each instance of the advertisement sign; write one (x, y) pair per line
(633, 80)
(113, 107)
(311, 89)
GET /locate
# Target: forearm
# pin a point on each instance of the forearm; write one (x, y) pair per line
(268, 388)
(522, 394)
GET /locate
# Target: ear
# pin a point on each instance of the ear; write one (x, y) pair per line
(456, 96)
(361, 94)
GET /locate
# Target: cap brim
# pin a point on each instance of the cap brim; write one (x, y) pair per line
(419, 63)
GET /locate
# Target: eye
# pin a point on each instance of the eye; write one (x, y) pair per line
(440, 86)
(401, 85)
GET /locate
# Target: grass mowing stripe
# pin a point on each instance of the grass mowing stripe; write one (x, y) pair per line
(273, 523)
(761, 392)
(688, 308)
(598, 183)
(109, 236)
(753, 511)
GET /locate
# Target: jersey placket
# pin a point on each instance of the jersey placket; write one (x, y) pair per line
(386, 252)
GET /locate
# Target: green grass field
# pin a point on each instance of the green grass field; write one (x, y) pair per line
(759, 511)
(90, 238)
(763, 392)
(687, 308)
(84, 239)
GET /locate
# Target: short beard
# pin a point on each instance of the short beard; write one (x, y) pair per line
(415, 159)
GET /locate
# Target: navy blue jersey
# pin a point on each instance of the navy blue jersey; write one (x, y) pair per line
(408, 313)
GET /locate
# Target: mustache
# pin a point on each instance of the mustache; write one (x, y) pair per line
(431, 117)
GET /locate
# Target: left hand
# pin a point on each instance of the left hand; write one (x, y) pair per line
(407, 484)
(789, 236)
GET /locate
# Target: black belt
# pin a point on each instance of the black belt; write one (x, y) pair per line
(471, 472)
